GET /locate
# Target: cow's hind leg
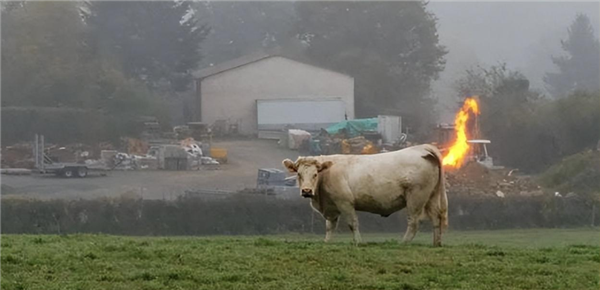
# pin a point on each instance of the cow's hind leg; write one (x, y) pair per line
(352, 220)
(414, 209)
(434, 215)
(330, 225)
(412, 227)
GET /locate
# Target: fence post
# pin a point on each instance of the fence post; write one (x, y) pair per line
(312, 221)
(593, 214)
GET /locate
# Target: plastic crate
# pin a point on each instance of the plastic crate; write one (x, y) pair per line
(271, 176)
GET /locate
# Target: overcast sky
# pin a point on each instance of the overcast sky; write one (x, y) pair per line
(522, 34)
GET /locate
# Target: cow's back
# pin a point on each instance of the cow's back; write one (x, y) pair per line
(380, 183)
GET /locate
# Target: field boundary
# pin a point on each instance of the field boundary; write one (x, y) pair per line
(260, 214)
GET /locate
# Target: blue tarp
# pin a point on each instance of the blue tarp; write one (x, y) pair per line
(354, 127)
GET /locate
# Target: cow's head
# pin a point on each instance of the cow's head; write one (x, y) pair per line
(308, 170)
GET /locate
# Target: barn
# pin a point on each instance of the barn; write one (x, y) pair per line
(262, 93)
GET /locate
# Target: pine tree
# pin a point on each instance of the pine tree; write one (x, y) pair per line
(580, 68)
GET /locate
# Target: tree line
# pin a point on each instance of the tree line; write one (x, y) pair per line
(117, 57)
(532, 131)
(101, 55)
(125, 59)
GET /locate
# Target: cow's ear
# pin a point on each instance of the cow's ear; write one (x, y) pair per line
(289, 164)
(325, 165)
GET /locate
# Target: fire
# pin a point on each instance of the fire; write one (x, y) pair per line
(459, 149)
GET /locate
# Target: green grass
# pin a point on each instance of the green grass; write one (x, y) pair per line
(515, 259)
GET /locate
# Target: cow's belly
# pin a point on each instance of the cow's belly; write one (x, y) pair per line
(380, 192)
(383, 202)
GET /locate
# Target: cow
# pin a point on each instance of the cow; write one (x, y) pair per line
(381, 183)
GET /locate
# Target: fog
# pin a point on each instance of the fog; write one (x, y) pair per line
(175, 117)
(522, 34)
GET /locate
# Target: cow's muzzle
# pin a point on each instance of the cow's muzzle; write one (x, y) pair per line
(307, 192)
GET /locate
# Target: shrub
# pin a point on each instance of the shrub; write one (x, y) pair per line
(252, 214)
(64, 125)
(578, 173)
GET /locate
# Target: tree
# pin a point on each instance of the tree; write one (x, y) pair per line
(497, 86)
(41, 43)
(154, 41)
(580, 68)
(47, 63)
(528, 131)
(241, 28)
(506, 104)
(390, 48)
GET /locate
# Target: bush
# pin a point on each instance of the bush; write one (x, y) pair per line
(579, 173)
(65, 125)
(528, 131)
(252, 214)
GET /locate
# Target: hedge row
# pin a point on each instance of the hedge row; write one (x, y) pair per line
(248, 214)
(64, 125)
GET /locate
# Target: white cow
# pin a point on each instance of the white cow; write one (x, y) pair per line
(381, 183)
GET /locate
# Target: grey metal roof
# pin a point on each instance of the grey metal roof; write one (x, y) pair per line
(248, 59)
(231, 64)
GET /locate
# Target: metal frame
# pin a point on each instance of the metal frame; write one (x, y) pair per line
(45, 165)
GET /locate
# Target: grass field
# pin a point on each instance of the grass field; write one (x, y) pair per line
(516, 259)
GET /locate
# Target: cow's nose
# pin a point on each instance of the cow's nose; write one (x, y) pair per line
(306, 192)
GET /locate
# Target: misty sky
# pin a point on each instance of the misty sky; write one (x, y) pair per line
(522, 34)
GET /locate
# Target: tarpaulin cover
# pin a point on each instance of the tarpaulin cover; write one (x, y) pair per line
(354, 127)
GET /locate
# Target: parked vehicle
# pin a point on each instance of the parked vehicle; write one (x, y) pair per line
(45, 165)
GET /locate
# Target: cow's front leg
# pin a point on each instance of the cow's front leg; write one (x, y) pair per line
(330, 226)
(352, 220)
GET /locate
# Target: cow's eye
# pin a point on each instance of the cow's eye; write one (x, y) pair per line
(315, 175)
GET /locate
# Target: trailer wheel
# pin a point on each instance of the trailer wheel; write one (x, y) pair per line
(82, 172)
(68, 172)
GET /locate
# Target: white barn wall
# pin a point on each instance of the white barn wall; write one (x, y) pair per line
(232, 94)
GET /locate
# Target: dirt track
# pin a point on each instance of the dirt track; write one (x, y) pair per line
(245, 157)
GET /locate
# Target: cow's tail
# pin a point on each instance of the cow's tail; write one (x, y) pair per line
(440, 188)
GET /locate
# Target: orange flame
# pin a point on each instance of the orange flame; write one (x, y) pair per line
(458, 150)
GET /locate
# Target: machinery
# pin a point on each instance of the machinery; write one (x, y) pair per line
(479, 153)
(478, 147)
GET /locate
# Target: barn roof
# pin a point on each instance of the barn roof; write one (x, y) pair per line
(248, 59)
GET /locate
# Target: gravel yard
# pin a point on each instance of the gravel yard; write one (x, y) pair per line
(245, 157)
